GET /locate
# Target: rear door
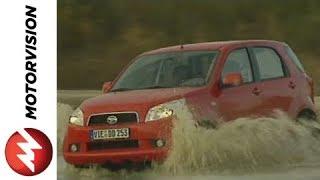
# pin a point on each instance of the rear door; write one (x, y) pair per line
(277, 88)
(243, 100)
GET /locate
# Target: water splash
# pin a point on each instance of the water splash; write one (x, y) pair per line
(245, 144)
(64, 111)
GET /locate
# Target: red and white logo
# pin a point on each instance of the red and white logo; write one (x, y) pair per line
(28, 152)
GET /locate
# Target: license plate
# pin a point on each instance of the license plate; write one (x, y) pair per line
(109, 134)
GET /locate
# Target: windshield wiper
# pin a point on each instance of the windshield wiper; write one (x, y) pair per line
(128, 89)
(155, 87)
(120, 89)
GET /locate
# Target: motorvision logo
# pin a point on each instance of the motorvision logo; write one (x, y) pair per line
(30, 62)
(29, 151)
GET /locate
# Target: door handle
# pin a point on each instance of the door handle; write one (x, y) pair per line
(292, 85)
(256, 91)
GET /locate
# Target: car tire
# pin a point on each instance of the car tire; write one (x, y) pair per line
(309, 120)
(307, 115)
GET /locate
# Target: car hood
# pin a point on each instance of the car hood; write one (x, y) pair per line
(136, 100)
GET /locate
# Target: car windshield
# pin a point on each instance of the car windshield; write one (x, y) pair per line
(169, 70)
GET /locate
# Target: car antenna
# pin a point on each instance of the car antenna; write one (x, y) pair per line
(181, 44)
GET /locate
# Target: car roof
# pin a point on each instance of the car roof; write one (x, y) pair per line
(207, 46)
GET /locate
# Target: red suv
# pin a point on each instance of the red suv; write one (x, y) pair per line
(132, 120)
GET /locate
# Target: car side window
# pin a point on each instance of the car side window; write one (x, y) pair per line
(238, 61)
(269, 63)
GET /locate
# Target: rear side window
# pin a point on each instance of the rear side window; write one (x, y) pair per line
(238, 61)
(269, 63)
(294, 58)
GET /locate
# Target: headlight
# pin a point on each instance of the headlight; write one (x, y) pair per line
(76, 117)
(165, 110)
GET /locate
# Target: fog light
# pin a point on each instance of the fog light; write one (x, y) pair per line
(160, 143)
(74, 148)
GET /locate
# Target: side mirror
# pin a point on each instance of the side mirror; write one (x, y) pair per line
(232, 79)
(106, 87)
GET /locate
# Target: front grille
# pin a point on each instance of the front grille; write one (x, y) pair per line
(104, 145)
(125, 117)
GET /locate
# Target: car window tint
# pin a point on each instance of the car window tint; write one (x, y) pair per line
(294, 58)
(238, 61)
(189, 69)
(269, 63)
(174, 69)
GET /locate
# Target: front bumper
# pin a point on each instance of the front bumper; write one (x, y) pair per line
(144, 133)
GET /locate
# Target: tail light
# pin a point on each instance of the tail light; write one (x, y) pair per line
(311, 84)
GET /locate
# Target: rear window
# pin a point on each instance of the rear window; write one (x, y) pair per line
(294, 58)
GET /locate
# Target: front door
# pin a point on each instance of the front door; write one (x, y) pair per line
(243, 100)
